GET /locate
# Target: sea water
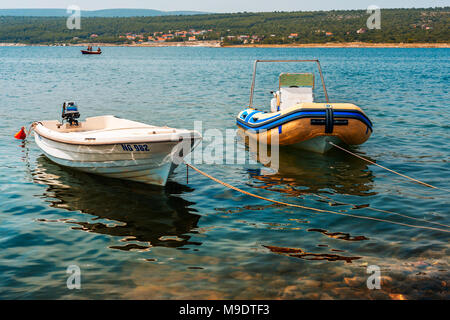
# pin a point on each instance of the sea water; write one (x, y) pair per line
(196, 238)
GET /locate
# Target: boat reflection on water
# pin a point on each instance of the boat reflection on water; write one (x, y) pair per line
(143, 213)
(322, 178)
(300, 172)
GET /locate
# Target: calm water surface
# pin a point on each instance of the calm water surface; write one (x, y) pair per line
(200, 240)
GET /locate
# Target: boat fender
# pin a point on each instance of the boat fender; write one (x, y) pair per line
(21, 135)
(329, 119)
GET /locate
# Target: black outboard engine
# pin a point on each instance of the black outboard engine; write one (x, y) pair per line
(70, 113)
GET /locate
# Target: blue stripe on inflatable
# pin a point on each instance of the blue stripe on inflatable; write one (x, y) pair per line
(308, 113)
(277, 115)
(249, 116)
(367, 122)
(282, 120)
(263, 120)
(311, 112)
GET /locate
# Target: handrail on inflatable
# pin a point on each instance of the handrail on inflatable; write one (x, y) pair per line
(313, 60)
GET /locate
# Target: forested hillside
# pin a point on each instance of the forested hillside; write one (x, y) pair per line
(397, 25)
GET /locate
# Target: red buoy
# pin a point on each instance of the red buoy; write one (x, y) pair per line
(21, 135)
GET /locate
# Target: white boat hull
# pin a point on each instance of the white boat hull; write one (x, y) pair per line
(151, 166)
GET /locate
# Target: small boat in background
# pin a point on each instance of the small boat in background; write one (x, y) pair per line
(89, 50)
(300, 122)
(114, 147)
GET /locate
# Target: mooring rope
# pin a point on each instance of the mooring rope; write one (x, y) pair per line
(393, 171)
(382, 210)
(30, 128)
(310, 208)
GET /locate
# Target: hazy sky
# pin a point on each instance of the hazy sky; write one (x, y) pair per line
(224, 5)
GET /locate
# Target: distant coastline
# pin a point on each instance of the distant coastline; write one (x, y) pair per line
(99, 44)
(345, 45)
(217, 44)
(408, 27)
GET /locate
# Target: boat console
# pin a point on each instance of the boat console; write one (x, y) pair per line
(293, 89)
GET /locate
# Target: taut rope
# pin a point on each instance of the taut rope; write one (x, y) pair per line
(379, 165)
(310, 208)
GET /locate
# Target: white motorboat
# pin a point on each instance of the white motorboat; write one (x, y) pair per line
(114, 147)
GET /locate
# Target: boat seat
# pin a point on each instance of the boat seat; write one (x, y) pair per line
(291, 96)
(295, 88)
(273, 105)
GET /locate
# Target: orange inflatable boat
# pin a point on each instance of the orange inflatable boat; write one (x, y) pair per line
(300, 122)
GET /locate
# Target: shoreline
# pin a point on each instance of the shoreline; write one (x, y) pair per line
(217, 44)
(212, 44)
(344, 45)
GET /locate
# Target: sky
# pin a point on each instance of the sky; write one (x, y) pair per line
(224, 5)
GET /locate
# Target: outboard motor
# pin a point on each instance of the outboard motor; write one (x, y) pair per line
(70, 113)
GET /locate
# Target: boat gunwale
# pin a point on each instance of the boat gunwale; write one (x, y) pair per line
(95, 143)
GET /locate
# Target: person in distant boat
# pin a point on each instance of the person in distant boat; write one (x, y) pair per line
(99, 50)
